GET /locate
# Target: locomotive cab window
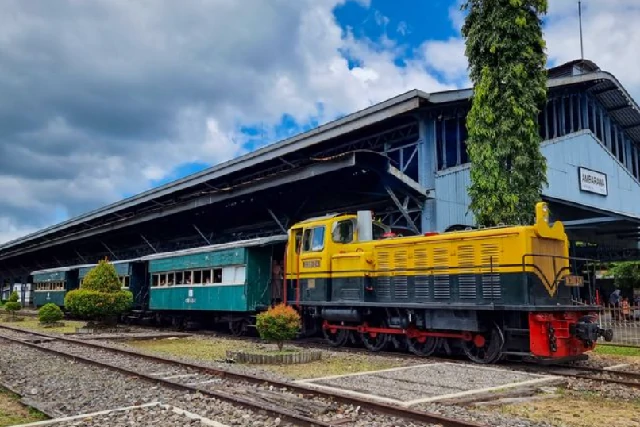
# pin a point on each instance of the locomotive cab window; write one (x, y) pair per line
(298, 240)
(378, 232)
(313, 239)
(343, 231)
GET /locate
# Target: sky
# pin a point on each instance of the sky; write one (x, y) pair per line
(104, 99)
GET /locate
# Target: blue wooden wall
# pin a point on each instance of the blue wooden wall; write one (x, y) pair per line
(564, 156)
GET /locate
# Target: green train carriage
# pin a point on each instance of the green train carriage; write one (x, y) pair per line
(224, 283)
(51, 285)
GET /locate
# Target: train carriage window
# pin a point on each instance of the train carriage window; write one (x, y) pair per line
(197, 277)
(179, 278)
(343, 231)
(125, 281)
(171, 279)
(155, 280)
(206, 277)
(217, 275)
(187, 277)
(233, 274)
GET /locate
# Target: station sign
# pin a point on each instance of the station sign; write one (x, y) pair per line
(593, 181)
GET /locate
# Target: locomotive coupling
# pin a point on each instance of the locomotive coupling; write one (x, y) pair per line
(589, 332)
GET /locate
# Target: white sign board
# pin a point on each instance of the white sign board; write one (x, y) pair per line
(592, 181)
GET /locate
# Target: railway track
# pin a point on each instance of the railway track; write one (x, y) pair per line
(295, 403)
(626, 378)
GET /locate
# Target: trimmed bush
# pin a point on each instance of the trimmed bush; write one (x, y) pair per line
(12, 305)
(100, 297)
(50, 314)
(102, 278)
(94, 305)
(279, 323)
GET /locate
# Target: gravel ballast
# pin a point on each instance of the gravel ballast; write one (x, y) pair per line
(61, 388)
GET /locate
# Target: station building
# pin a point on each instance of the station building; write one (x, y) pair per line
(404, 158)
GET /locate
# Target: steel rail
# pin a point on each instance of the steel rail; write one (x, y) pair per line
(235, 400)
(378, 407)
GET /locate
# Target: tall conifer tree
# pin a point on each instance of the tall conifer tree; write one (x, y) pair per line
(507, 58)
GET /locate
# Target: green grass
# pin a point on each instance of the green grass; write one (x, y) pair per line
(199, 349)
(33, 324)
(615, 350)
(12, 412)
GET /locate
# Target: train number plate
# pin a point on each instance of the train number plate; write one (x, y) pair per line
(573, 280)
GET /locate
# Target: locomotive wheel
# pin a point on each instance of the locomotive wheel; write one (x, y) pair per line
(425, 348)
(399, 342)
(238, 327)
(485, 348)
(337, 339)
(378, 341)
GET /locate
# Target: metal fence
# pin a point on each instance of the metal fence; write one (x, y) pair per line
(624, 320)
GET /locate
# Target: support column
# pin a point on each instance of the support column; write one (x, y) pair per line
(427, 164)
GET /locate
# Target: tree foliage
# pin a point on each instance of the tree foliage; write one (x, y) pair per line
(506, 53)
(100, 296)
(49, 314)
(626, 274)
(279, 323)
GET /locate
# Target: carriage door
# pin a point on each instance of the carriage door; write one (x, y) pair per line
(313, 266)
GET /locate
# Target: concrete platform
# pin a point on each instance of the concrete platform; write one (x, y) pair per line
(412, 385)
(96, 418)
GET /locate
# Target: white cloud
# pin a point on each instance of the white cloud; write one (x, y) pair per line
(448, 58)
(610, 34)
(102, 98)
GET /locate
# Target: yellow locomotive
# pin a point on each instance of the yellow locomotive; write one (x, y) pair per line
(491, 292)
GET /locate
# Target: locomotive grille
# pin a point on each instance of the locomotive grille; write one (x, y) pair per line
(420, 258)
(441, 284)
(441, 288)
(490, 256)
(401, 290)
(440, 258)
(383, 288)
(491, 286)
(422, 287)
(466, 255)
(384, 262)
(350, 294)
(400, 260)
(467, 286)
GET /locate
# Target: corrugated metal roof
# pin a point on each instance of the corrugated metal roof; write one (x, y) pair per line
(219, 247)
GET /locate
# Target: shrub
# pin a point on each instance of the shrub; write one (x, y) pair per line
(279, 323)
(102, 278)
(50, 314)
(12, 305)
(100, 296)
(94, 305)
